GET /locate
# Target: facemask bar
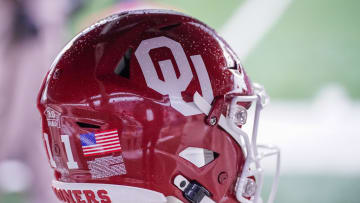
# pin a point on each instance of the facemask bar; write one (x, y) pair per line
(252, 166)
(252, 154)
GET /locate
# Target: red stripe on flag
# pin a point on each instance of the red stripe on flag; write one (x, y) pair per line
(100, 136)
(101, 148)
(106, 131)
(104, 142)
(115, 143)
(115, 150)
(100, 139)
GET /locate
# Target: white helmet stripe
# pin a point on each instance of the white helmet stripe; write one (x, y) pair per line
(106, 193)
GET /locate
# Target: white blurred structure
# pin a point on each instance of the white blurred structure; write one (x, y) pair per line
(15, 176)
(250, 22)
(31, 34)
(321, 135)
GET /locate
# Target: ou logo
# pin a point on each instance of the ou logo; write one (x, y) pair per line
(172, 85)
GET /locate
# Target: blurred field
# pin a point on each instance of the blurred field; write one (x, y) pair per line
(316, 188)
(213, 13)
(312, 54)
(314, 43)
(13, 198)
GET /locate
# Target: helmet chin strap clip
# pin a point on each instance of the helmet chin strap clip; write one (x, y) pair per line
(192, 190)
(216, 110)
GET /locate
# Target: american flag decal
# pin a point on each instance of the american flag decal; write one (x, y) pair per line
(100, 143)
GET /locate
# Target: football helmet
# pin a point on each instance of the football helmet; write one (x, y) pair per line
(149, 106)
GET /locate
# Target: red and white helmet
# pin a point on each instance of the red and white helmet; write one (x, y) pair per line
(149, 106)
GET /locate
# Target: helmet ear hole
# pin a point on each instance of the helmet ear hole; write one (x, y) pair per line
(87, 125)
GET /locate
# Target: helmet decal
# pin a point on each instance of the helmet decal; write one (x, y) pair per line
(172, 85)
(52, 117)
(107, 167)
(103, 142)
(71, 164)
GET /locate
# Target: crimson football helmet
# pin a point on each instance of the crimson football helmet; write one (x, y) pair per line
(150, 106)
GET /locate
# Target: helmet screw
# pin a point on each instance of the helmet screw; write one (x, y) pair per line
(223, 176)
(57, 149)
(250, 188)
(213, 120)
(182, 184)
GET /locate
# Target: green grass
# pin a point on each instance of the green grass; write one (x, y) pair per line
(313, 44)
(213, 12)
(317, 188)
(12, 198)
(91, 7)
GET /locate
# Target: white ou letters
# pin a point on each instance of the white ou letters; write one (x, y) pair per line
(71, 164)
(172, 85)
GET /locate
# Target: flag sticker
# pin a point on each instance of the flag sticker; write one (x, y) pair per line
(100, 143)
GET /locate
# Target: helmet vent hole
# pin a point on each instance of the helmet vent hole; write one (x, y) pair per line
(123, 67)
(234, 67)
(169, 27)
(87, 125)
(215, 155)
(198, 156)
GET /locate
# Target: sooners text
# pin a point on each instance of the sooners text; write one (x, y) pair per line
(82, 196)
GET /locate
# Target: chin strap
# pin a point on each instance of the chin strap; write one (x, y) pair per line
(192, 191)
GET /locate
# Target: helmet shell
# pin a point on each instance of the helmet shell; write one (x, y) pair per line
(89, 90)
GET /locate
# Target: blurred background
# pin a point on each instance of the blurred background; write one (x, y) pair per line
(306, 53)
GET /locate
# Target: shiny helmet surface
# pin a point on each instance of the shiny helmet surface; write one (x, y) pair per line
(149, 106)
